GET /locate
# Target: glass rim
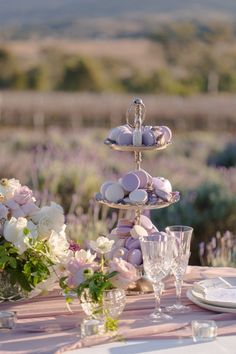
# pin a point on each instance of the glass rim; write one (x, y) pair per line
(182, 228)
(146, 238)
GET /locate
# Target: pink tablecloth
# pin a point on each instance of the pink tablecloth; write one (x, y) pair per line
(45, 326)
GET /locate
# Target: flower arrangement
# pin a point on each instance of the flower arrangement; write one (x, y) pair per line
(33, 242)
(90, 275)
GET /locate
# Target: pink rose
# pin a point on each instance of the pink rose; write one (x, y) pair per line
(76, 270)
(3, 211)
(29, 208)
(15, 208)
(127, 273)
(23, 195)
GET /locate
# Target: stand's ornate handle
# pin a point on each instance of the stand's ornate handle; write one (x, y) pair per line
(139, 112)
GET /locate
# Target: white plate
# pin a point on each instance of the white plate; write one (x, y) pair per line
(220, 303)
(215, 308)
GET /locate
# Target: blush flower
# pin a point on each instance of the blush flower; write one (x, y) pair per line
(126, 273)
(23, 195)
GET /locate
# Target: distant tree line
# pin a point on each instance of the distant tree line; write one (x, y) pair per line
(197, 59)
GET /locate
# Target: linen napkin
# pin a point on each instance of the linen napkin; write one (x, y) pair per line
(204, 286)
(223, 295)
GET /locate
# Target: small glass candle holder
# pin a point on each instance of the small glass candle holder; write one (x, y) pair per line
(7, 319)
(204, 331)
(90, 327)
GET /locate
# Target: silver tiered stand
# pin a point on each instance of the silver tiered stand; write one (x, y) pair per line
(139, 115)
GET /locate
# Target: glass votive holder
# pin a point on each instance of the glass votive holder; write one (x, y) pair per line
(7, 319)
(90, 327)
(204, 331)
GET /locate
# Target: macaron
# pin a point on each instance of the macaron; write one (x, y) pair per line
(117, 238)
(123, 231)
(146, 223)
(125, 138)
(113, 134)
(163, 195)
(119, 242)
(138, 196)
(138, 231)
(114, 192)
(135, 257)
(167, 133)
(127, 200)
(132, 243)
(143, 177)
(104, 187)
(130, 182)
(148, 138)
(162, 184)
(125, 222)
(120, 253)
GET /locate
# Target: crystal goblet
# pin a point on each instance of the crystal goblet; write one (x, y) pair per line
(181, 253)
(157, 259)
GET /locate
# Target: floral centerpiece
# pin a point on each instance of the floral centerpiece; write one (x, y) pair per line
(98, 281)
(33, 243)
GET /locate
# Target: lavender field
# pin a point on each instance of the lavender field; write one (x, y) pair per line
(69, 165)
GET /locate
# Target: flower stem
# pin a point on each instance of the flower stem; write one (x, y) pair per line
(102, 263)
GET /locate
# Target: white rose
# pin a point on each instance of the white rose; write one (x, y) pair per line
(8, 187)
(85, 256)
(102, 245)
(49, 218)
(59, 247)
(17, 231)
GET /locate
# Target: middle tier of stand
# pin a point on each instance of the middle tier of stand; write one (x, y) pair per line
(175, 197)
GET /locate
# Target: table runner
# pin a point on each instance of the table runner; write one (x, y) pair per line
(46, 326)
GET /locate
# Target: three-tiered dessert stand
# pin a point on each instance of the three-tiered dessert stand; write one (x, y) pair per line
(139, 116)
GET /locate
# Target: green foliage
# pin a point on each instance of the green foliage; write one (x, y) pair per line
(36, 78)
(27, 270)
(81, 75)
(225, 157)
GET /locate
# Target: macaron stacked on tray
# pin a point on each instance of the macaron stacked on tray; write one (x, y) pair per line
(137, 189)
(126, 235)
(153, 138)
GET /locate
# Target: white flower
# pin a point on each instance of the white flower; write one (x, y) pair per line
(102, 245)
(85, 256)
(59, 247)
(18, 231)
(8, 187)
(49, 218)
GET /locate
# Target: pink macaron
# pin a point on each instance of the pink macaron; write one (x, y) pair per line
(146, 222)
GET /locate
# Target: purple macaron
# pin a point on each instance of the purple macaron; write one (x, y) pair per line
(143, 177)
(148, 137)
(135, 257)
(130, 182)
(125, 137)
(132, 243)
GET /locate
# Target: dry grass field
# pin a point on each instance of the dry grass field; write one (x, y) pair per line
(142, 53)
